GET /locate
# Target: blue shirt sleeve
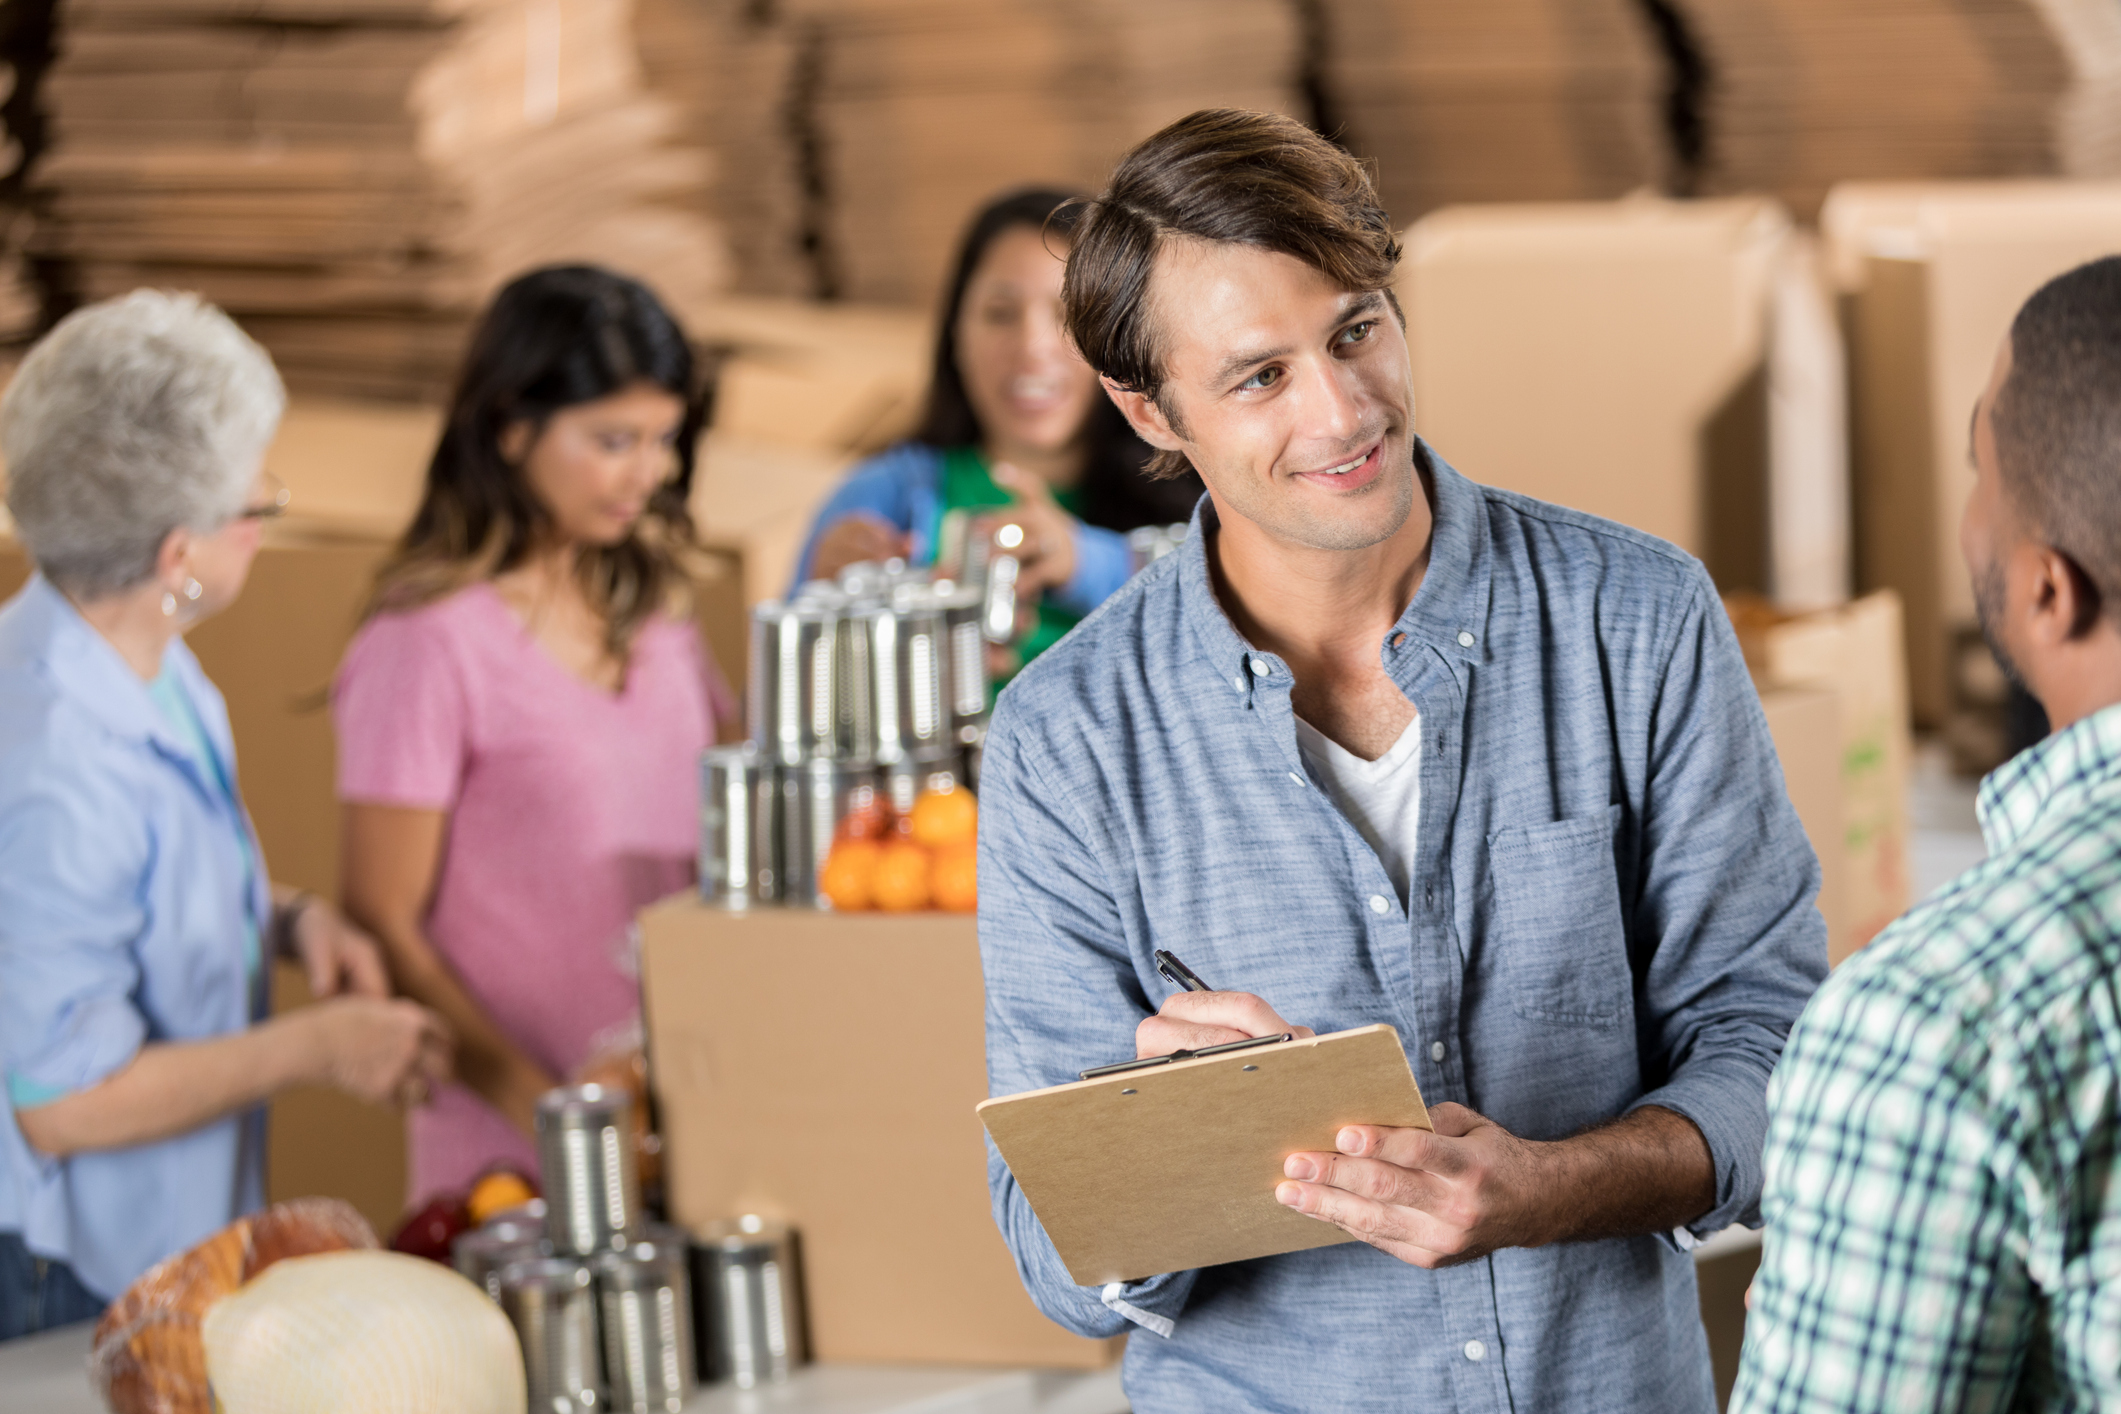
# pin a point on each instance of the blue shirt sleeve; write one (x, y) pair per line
(1727, 903)
(1103, 562)
(73, 852)
(899, 487)
(1060, 982)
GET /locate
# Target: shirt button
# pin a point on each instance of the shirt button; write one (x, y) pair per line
(1238, 683)
(1465, 640)
(1296, 778)
(1436, 1052)
(1259, 666)
(1476, 1351)
(1378, 904)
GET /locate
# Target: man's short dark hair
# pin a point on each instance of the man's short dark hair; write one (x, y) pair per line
(2058, 420)
(1222, 174)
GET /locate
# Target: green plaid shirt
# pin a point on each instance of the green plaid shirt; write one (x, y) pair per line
(1943, 1204)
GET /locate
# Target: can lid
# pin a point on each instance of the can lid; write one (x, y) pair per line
(499, 1237)
(545, 1274)
(642, 1264)
(574, 1103)
(744, 1234)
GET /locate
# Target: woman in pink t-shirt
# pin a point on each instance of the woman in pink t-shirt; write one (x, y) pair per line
(521, 717)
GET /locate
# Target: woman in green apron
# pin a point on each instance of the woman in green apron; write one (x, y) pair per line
(1017, 431)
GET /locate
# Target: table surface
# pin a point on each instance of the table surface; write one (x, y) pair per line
(46, 1374)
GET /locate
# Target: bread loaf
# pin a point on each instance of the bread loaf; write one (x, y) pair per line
(148, 1358)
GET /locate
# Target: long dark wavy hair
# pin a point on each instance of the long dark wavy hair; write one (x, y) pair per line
(552, 339)
(1115, 493)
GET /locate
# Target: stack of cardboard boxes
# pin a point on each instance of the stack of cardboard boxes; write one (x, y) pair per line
(351, 177)
(872, 131)
(1805, 93)
(1930, 276)
(1506, 100)
(25, 53)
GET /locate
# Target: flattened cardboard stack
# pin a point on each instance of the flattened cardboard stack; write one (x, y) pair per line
(1669, 365)
(1806, 93)
(1503, 100)
(871, 129)
(1931, 276)
(351, 177)
(25, 52)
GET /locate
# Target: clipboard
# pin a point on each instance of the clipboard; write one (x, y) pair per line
(1174, 1167)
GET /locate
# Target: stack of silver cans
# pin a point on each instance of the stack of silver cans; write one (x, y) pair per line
(601, 1299)
(863, 690)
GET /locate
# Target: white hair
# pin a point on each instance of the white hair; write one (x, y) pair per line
(132, 418)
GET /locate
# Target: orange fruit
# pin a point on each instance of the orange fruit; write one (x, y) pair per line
(501, 1189)
(955, 878)
(945, 817)
(902, 878)
(848, 879)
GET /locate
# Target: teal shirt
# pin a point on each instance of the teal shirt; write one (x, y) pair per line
(169, 695)
(1944, 1142)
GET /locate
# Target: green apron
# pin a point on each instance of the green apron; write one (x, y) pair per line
(968, 487)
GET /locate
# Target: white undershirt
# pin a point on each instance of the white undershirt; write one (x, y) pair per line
(1381, 798)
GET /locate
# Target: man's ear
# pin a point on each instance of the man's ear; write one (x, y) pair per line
(1144, 416)
(2066, 603)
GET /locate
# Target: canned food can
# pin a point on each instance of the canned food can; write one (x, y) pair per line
(795, 666)
(737, 858)
(479, 1255)
(585, 1153)
(749, 1293)
(644, 1295)
(815, 799)
(967, 656)
(925, 719)
(551, 1302)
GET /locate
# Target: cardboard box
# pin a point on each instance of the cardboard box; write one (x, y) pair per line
(1672, 366)
(1931, 277)
(1806, 725)
(1854, 654)
(823, 1069)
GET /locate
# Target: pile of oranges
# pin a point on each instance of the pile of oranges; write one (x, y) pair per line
(926, 858)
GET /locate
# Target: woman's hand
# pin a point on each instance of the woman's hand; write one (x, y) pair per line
(857, 539)
(338, 958)
(1046, 556)
(384, 1052)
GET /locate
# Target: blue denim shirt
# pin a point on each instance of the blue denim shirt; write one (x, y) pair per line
(1612, 906)
(127, 909)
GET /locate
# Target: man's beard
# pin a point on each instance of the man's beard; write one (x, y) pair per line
(1988, 608)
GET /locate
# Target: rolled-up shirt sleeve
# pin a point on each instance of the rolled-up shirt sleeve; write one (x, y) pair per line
(1726, 906)
(73, 853)
(1062, 994)
(1103, 562)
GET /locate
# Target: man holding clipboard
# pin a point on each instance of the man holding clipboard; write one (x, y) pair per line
(1382, 745)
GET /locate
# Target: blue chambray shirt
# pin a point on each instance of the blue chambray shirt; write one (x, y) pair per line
(127, 907)
(1612, 906)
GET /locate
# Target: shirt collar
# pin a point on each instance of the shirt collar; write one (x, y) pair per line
(2038, 781)
(94, 678)
(1450, 609)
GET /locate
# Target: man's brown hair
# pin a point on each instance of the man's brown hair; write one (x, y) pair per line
(1221, 174)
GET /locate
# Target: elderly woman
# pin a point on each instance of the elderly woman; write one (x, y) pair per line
(136, 916)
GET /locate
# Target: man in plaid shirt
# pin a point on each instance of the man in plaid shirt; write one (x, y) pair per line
(1943, 1195)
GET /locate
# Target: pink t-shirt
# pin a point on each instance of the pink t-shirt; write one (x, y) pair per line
(570, 807)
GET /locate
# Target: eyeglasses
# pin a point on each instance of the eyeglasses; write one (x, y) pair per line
(271, 510)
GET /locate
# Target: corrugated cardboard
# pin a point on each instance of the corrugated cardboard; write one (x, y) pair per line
(1618, 357)
(1806, 725)
(1854, 654)
(1932, 275)
(824, 1069)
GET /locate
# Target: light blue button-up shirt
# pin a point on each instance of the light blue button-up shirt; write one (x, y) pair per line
(1611, 906)
(126, 906)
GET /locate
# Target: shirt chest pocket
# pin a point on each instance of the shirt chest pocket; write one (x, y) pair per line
(1557, 923)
